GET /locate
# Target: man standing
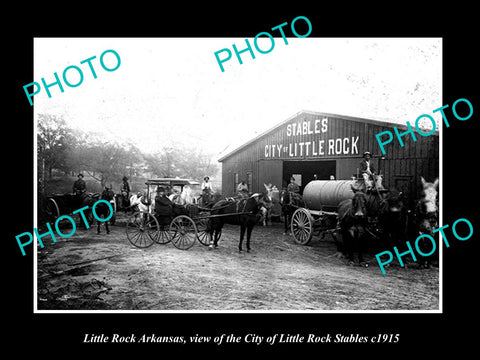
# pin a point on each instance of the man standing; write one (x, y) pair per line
(293, 187)
(125, 191)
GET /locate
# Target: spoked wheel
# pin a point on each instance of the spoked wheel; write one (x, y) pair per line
(163, 235)
(302, 226)
(203, 234)
(142, 228)
(183, 232)
(51, 209)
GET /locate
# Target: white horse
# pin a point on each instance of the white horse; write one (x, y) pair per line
(185, 197)
(136, 200)
(378, 182)
(267, 207)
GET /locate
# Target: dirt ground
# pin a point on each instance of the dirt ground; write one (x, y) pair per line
(105, 272)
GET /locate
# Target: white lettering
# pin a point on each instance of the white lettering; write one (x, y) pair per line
(346, 148)
(324, 124)
(304, 127)
(317, 122)
(320, 147)
(279, 148)
(354, 146)
(307, 145)
(338, 146)
(331, 146)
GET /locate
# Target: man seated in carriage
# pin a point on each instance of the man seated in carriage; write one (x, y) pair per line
(163, 206)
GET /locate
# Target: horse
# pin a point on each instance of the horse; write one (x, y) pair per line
(393, 215)
(425, 217)
(139, 202)
(290, 201)
(102, 209)
(206, 198)
(267, 208)
(87, 199)
(352, 221)
(183, 198)
(243, 212)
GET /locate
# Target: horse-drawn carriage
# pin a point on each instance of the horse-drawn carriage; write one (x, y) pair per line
(183, 224)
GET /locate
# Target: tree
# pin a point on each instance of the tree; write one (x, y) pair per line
(54, 141)
(183, 162)
(105, 161)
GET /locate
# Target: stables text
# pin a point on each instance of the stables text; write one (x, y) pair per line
(300, 144)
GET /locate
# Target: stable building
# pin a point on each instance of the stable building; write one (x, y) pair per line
(330, 146)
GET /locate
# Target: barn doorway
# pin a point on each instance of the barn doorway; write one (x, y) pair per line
(306, 169)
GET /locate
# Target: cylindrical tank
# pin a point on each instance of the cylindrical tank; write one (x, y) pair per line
(327, 194)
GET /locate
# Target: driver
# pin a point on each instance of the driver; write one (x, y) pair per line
(79, 186)
(367, 170)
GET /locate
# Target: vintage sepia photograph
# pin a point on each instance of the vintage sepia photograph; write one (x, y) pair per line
(302, 179)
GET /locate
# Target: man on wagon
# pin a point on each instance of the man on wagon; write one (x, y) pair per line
(79, 186)
(367, 170)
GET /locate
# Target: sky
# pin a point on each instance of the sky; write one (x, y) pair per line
(171, 91)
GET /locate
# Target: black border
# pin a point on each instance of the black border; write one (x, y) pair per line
(420, 333)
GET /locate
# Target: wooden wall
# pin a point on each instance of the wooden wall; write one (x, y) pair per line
(349, 136)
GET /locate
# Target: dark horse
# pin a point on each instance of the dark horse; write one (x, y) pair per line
(390, 211)
(243, 212)
(102, 210)
(290, 202)
(352, 220)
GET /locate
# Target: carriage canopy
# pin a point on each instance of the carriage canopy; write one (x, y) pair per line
(174, 183)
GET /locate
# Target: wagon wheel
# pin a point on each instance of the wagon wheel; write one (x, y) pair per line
(142, 227)
(183, 232)
(203, 234)
(163, 236)
(302, 226)
(51, 209)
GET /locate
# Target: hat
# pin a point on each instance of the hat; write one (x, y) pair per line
(367, 153)
(125, 178)
(160, 189)
(206, 177)
(80, 174)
